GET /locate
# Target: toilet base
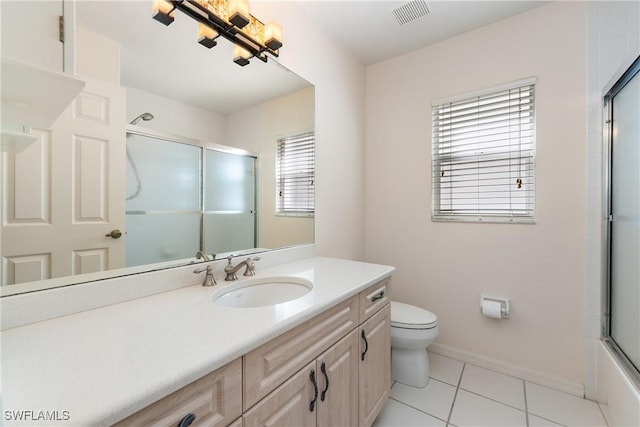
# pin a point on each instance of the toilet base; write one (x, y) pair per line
(410, 367)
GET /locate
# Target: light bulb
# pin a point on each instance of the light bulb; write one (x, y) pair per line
(207, 36)
(239, 12)
(163, 11)
(273, 36)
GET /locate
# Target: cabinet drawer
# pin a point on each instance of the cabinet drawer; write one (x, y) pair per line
(268, 366)
(374, 298)
(215, 400)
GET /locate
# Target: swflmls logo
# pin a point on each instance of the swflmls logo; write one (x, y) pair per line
(37, 415)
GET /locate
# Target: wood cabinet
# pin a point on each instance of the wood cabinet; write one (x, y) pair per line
(375, 365)
(342, 355)
(214, 400)
(269, 365)
(323, 393)
(332, 370)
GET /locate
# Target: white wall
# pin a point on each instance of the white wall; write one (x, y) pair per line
(614, 42)
(444, 267)
(339, 124)
(176, 118)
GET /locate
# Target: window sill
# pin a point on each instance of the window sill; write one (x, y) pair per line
(484, 219)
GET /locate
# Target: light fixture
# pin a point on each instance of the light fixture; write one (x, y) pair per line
(240, 55)
(207, 35)
(227, 18)
(163, 11)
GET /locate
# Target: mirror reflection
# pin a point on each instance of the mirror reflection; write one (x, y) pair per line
(170, 149)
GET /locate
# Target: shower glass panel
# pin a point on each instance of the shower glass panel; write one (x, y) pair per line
(229, 202)
(624, 231)
(163, 200)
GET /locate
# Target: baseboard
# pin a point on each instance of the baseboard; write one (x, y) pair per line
(509, 369)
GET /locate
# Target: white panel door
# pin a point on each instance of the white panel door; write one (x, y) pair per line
(65, 192)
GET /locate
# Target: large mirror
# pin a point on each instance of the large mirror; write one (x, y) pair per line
(164, 130)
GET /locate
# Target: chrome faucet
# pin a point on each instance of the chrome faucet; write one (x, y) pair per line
(209, 280)
(201, 255)
(231, 270)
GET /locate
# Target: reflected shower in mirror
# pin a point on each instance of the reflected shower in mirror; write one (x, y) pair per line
(184, 199)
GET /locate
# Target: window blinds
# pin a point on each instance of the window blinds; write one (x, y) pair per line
(483, 156)
(295, 174)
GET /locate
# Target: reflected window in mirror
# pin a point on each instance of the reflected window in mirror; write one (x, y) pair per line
(295, 175)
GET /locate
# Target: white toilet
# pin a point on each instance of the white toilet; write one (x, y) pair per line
(412, 330)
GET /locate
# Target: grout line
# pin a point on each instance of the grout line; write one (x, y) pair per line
(455, 394)
(417, 409)
(526, 405)
(494, 400)
(602, 413)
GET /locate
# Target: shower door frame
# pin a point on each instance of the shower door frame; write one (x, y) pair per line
(633, 71)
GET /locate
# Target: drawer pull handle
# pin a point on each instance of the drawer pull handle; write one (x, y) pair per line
(366, 345)
(323, 368)
(377, 296)
(187, 420)
(315, 390)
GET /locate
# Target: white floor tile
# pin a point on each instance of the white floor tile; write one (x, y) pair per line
(445, 369)
(475, 411)
(396, 414)
(503, 388)
(562, 408)
(434, 399)
(541, 422)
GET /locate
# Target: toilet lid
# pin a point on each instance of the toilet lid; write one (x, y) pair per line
(409, 316)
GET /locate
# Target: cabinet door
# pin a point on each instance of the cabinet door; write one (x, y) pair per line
(375, 365)
(338, 383)
(269, 365)
(289, 404)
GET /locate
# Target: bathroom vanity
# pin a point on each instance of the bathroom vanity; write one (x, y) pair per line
(177, 358)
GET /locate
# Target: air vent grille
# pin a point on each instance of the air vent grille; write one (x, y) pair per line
(410, 11)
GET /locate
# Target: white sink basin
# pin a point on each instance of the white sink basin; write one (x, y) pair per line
(262, 291)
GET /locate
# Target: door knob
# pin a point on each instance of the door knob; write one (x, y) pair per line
(115, 234)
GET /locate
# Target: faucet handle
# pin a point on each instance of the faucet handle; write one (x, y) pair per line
(201, 255)
(209, 280)
(250, 269)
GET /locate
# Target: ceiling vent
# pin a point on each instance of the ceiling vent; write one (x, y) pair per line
(410, 11)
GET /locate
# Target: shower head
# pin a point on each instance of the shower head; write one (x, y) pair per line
(144, 116)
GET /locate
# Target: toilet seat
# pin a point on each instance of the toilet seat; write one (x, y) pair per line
(410, 317)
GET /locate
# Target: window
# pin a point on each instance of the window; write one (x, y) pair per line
(295, 175)
(483, 156)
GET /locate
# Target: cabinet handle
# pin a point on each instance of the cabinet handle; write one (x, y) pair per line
(315, 390)
(187, 420)
(366, 345)
(323, 368)
(377, 296)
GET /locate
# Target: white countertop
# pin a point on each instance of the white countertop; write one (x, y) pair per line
(103, 365)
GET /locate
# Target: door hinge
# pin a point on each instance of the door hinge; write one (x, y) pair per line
(61, 28)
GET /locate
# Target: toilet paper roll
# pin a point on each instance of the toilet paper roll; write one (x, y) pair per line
(492, 309)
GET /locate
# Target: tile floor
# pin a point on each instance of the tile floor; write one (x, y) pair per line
(460, 395)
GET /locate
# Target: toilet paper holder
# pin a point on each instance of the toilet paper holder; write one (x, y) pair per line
(505, 306)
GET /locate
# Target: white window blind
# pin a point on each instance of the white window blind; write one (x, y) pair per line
(295, 175)
(483, 156)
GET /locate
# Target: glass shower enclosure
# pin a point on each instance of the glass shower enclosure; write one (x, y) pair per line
(622, 306)
(184, 198)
